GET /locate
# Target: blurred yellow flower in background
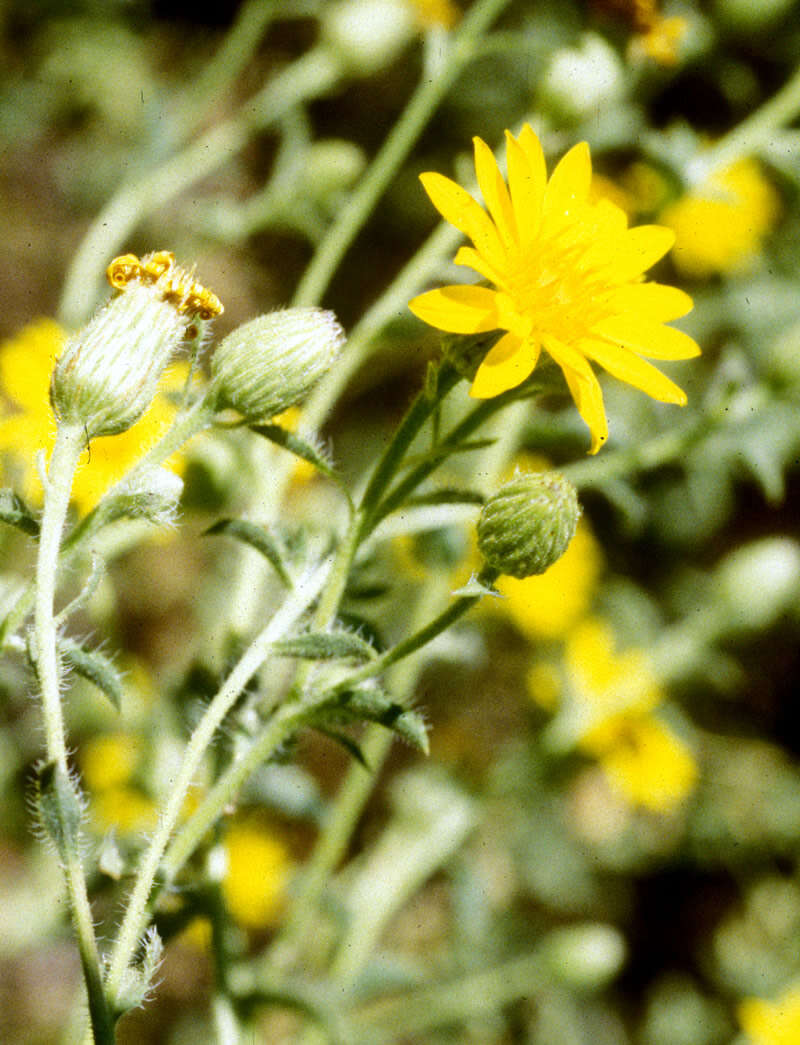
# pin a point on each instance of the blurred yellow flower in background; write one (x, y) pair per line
(772, 1022)
(258, 871)
(108, 763)
(568, 277)
(643, 760)
(548, 605)
(720, 226)
(429, 13)
(27, 424)
(609, 705)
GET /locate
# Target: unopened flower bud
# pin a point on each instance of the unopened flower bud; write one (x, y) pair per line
(758, 582)
(526, 526)
(366, 34)
(581, 80)
(153, 495)
(585, 956)
(271, 363)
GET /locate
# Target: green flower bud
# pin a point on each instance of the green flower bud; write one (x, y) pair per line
(757, 582)
(153, 495)
(581, 80)
(108, 373)
(271, 363)
(528, 524)
(366, 34)
(586, 956)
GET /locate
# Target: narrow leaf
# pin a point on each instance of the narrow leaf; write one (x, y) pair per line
(346, 742)
(446, 496)
(15, 512)
(95, 667)
(257, 537)
(318, 645)
(296, 445)
(59, 808)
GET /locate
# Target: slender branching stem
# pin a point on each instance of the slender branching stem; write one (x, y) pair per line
(70, 442)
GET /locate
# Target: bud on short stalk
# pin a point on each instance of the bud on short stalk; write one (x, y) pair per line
(108, 373)
(271, 363)
(526, 526)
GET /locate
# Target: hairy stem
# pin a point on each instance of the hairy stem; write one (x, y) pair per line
(70, 440)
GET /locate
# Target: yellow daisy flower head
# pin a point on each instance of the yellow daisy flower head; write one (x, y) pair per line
(643, 761)
(772, 1022)
(721, 224)
(566, 275)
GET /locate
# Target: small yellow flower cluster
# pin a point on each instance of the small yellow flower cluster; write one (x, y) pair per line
(257, 876)
(27, 424)
(772, 1022)
(720, 226)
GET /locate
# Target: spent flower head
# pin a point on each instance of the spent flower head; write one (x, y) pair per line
(107, 375)
(566, 275)
(26, 420)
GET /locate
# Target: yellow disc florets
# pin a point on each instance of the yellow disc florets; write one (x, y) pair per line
(176, 285)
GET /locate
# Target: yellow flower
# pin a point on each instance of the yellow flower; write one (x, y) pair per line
(608, 681)
(429, 13)
(772, 1022)
(547, 606)
(643, 760)
(257, 877)
(661, 40)
(126, 809)
(27, 424)
(610, 713)
(567, 277)
(720, 225)
(110, 760)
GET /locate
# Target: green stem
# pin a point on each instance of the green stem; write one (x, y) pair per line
(477, 995)
(419, 412)
(310, 76)
(395, 149)
(748, 137)
(70, 441)
(185, 426)
(297, 602)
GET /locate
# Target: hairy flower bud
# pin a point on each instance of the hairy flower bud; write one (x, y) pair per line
(271, 363)
(108, 373)
(106, 377)
(526, 526)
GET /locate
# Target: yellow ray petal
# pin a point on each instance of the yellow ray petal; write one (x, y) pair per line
(460, 209)
(26, 362)
(472, 259)
(527, 177)
(584, 387)
(457, 309)
(628, 367)
(507, 365)
(569, 183)
(655, 301)
(647, 337)
(494, 191)
(638, 249)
